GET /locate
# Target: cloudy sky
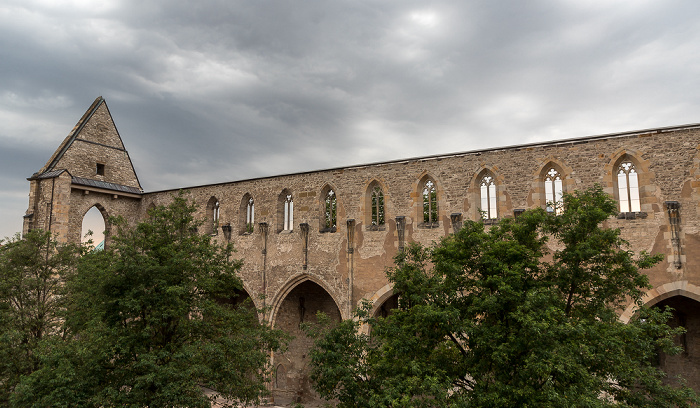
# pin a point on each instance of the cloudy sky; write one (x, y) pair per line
(215, 90)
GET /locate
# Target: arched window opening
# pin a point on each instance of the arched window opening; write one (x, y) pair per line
(212, 223)
(377, 203)
(330, 211)
(281, 377)
(94, 222)
(250, 215)
(489, 201)
(553, 191)
(430, 204)
(288, 224)
(628, 187)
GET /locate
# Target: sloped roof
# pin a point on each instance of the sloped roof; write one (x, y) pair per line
(68, 141)
(48, 174)
(105, 185)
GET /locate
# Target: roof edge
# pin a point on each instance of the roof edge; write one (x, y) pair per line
(75, 132)
(574, 140)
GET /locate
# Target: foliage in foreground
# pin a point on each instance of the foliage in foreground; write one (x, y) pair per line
(32, 272)
(493, 318)
(148, 321)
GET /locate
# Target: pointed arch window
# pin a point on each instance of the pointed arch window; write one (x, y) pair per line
(330, 210)
(430, 204)
(212, 224)
(628, 187)
(250, 215)
(553, 191)
(377, 204)
(489, 202)
(288, 224)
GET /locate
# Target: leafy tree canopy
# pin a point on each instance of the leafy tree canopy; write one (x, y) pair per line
(32, 273)
(150, 321)
(524, 314)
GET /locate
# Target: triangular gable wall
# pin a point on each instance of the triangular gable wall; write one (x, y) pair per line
(94, 146)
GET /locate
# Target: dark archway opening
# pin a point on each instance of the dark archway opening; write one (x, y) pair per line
(301, 305)
(386, 308)
(686, 313)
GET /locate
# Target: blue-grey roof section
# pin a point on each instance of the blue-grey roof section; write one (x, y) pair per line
(48, 174)
(105, 185)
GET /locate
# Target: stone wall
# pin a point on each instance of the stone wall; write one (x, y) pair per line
(338, 267)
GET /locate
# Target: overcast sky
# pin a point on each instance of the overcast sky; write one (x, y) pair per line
(217, 90)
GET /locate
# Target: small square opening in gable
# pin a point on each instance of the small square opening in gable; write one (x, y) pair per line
(100, 171)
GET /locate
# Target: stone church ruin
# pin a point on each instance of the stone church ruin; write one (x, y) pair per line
(321, 240)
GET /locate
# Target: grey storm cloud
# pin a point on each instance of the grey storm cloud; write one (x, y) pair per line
(211, 91)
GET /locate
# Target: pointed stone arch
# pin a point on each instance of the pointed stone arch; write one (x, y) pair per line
(242, 298)
(660, 293)
(385, 296)
(285, 211)
(684, 298)
(496, 198)
(644, 178)
(374, 205)
(538, 193)
(91, 221)
(428, 201)
(329, 207)
(246, 213)
(298, 302)
(211, 221)
(292, 283)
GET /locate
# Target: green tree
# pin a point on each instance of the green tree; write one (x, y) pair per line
(32, 272)
(152, 321)
(494, 318)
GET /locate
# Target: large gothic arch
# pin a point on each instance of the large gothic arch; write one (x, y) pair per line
(294, 282)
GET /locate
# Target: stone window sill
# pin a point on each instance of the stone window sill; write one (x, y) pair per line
(489, 221)
(376, 227)
(429, 225)
(327, 230)
(631, 215)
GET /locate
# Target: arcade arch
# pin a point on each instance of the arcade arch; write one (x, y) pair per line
(299, 303)
(684, 298)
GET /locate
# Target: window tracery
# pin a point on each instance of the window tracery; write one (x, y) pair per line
(288, 224)
(330, 211)
(377, 204)
(553, 191)
(628, 187)
(250, 215)
(489, 201)
(430, 204)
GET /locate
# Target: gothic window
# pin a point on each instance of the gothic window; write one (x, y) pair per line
(249, 215)
(430, 204)
(628, 187)
(94, 221)
(288, 213)
(330, 211)
(489, 201)
(377, 204)
(212, 224)
(553, 191)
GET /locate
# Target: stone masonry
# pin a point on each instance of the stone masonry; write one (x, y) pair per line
(311, 267)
